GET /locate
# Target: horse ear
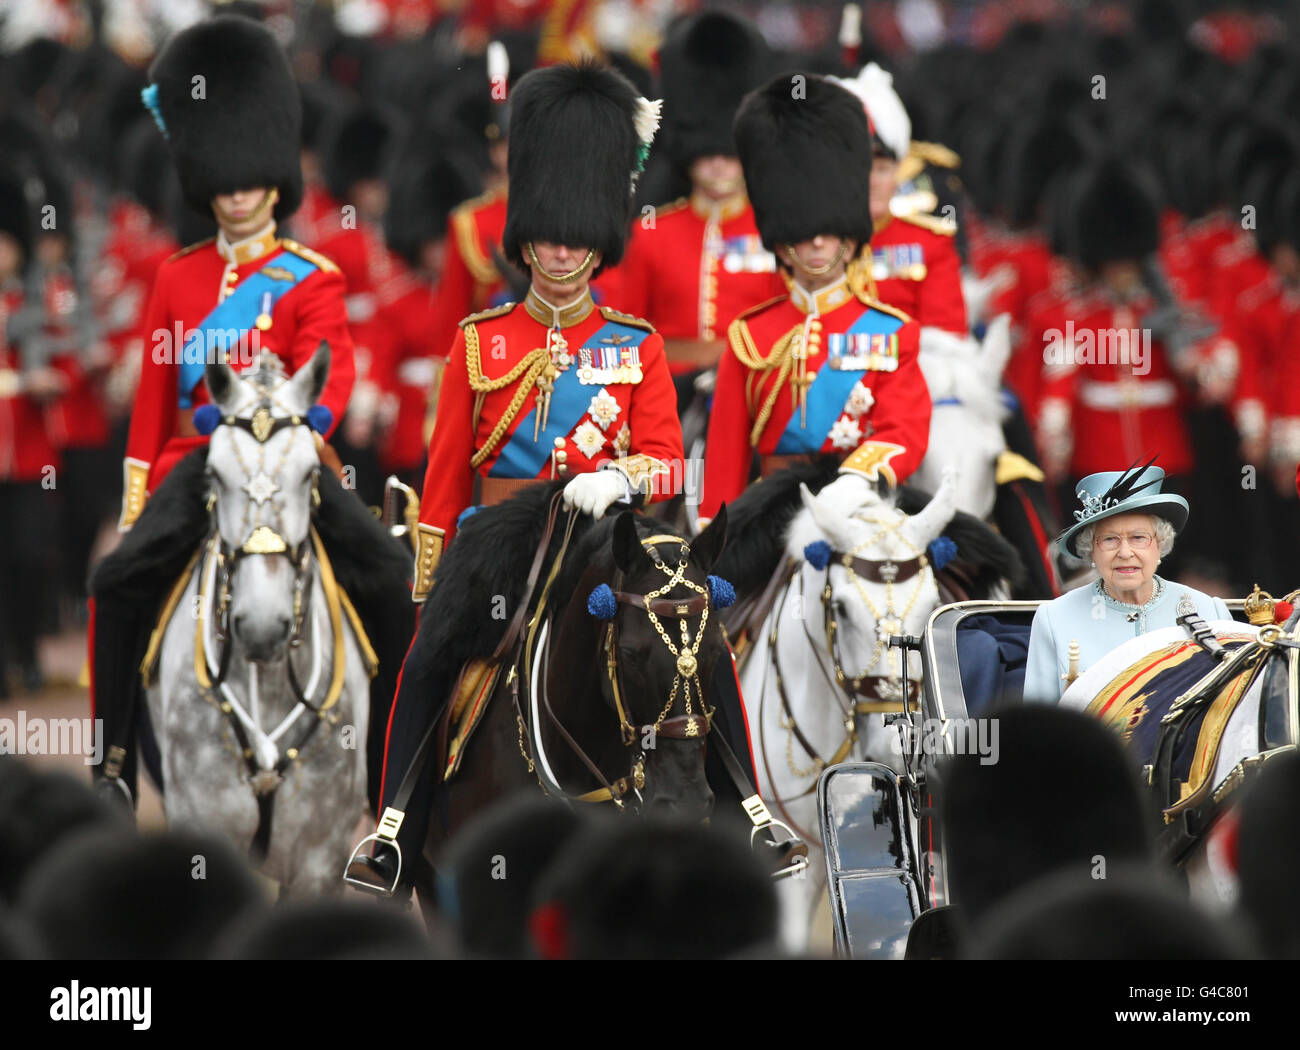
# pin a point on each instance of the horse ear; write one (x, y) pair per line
(222, 382)
(309, 381)
(628, 551)
(707, 546)
(833, 525)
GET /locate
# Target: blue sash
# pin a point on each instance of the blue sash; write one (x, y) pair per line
(832, 386)
(521, 456)
(230, 321)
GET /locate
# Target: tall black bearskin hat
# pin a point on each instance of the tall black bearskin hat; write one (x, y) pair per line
(424, 193)
(358, 144)
(1060, 792)
(578, 138)
(246, 128)
(1115, 216)
(805, 145)
(708, 63)
(1035, 153)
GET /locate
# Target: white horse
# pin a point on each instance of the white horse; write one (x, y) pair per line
(260, 706)
(965, 381)
(821, 678)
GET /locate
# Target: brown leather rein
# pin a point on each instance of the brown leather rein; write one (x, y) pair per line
(688, 726)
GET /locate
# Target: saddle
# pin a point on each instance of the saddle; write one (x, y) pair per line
(1141, 695)
(459, 719)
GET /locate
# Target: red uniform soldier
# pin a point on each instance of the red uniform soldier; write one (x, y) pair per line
(692, 266)
(914, 261)
(552, 387)
(243, 293)
(824, 368)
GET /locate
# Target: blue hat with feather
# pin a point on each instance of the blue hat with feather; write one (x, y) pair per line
(1133, 491)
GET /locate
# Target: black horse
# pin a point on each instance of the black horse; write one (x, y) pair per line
(610, 695)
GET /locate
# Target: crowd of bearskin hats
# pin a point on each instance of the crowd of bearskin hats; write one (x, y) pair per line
(1162, 133)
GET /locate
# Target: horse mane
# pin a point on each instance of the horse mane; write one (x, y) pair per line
(758, 520)
(484, 572)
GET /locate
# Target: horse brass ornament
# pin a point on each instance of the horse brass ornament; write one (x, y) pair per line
(261, 424)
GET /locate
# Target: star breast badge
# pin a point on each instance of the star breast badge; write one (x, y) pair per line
(604, 409)
(846, 433)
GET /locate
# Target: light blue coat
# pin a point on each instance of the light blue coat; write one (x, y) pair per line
(1099, 623)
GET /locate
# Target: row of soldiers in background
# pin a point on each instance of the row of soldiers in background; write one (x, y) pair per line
(1140, 221)
(406, 191)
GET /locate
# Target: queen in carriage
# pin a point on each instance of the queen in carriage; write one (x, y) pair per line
(1125, 526)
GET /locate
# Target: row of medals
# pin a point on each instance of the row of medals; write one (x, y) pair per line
(588, 373)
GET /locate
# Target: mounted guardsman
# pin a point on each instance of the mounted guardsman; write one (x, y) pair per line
(914, 261)
(549, 388)
(825, 368)
(224, 96)
(701, 262)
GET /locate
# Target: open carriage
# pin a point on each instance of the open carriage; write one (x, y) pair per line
(884, 841)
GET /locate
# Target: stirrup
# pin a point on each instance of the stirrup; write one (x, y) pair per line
(389, 824)
(115, 793)
(794, 851)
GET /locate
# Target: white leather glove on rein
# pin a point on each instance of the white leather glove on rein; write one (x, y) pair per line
(849, 493)
(594, 493)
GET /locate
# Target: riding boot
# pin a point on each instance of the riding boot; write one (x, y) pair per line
(128, 588)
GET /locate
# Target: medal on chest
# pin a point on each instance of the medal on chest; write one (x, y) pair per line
(612, 360)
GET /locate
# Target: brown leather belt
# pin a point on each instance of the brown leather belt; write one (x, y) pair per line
(771, 464)
(497, 490)
(697, 353)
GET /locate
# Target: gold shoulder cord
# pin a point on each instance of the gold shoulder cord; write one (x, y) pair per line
(781, 359)
(479, 266)
(529, 369)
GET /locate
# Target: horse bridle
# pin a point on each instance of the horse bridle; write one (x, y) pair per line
(862, 692)
(688, 726)
(263, 540)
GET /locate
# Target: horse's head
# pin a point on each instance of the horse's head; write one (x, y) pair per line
(964, 378)
(864, 577)
(262, 471)
(662, 646)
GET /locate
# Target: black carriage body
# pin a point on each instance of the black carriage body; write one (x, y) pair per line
(884, 841)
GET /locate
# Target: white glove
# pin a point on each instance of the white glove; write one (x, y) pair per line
(593, 493)
(849, 493)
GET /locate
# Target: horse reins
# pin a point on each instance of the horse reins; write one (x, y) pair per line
(689, 726)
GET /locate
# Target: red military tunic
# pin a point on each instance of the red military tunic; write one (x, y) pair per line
(916, 269)
(411, 368)
(78, 417)
(375, 278)
(871, 406)
(1109, 392)
(693, 272)
(189, 287)
(613, 404)
(470, 279)
(26, 450)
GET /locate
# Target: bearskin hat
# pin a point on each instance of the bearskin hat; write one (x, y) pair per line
(576, 137)
(707, 64)
(245, 129)
(1034, 155)
(424, 193)
(358, 145)
(1115, 215)
(805, 145)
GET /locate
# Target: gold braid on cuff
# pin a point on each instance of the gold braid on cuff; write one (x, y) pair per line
(640, 471)
(428, 551)
(871, 460)
(135, 478)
